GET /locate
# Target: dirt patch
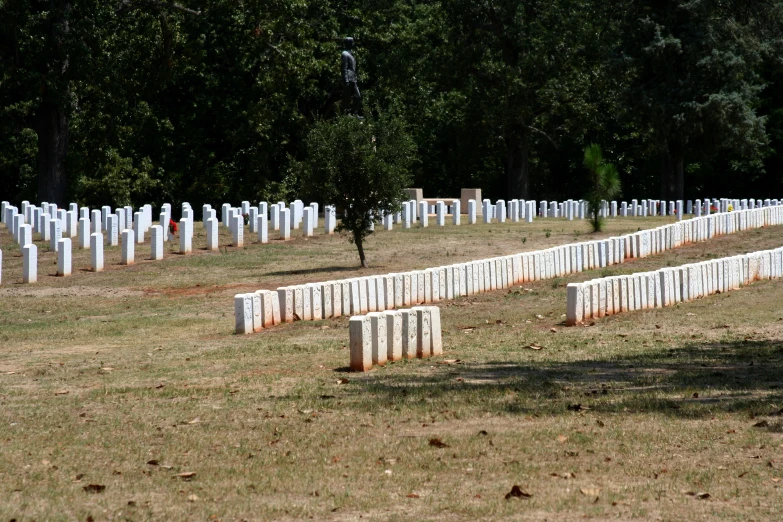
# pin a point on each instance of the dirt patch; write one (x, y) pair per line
(68, 291)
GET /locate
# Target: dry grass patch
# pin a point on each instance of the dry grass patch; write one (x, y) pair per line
(130, 378)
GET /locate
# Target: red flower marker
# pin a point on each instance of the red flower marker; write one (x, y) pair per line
(173, 227)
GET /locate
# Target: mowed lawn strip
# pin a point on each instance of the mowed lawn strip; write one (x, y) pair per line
(129, 378)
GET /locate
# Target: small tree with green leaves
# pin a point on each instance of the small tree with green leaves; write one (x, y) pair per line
(604, 183)
(360, 166)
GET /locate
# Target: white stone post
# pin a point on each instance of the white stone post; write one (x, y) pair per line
(84, 233)
(307, 221)
(95, 222)
(285, 224)
(156, 242)
(186, 236)
(96, 252)
(263, 229)
(501, 211)
(243, 313)
(423, 214)
(252, 220)
(224, 214)
(43, 226)
(55, 234)
(238, 231)
(112, 230)
(212, 234)
(456, 212)
(128, 247)
(64, 264)
(360, 335)
(29, 263)
(138, 227)
(440, 214)
(275, 217)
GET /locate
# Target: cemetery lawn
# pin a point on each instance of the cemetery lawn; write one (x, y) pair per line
(125, 394)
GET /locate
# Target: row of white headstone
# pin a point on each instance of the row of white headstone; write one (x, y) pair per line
(377, 293)
(120, 227)
(393, 335)
(668, 286)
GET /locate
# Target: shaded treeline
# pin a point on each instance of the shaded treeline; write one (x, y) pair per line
(136, 101)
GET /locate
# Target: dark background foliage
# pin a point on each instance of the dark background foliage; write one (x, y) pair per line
(146, 101)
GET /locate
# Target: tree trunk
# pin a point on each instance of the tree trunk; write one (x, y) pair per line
(357, 238)
(672, 173)
(51, 124)
(518, 165)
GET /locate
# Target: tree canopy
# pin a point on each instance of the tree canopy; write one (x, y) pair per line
(146, 101)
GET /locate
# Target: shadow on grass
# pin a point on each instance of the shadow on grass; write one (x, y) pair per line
(318, 270)
(696, 380)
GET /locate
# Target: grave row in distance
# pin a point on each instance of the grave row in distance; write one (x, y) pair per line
(315, 301)
(668, 286)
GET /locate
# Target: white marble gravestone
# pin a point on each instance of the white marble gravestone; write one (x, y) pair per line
(29, 263)
(96, 252)
(64, 264)
(156, 242)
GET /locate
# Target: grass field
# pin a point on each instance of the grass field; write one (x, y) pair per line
(116, 386)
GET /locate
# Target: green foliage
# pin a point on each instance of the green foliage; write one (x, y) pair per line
(361, 168)
(604, 183)
(211, 100)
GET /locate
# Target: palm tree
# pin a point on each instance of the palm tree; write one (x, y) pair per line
(604, 183)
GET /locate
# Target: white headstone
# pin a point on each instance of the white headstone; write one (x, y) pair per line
(96, 252)
(64, 265)
(55, 234)
(29, 263)
(138, 227)
(238, 231)
(285, 224)
(360, 334)
(186, 235)
(263, 229)
(156, 242)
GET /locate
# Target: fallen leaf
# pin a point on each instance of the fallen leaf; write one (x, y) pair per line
(600, 423)
(107, 369)
(186, 475)
(690, 314)
(468, 328)
(553, 330)
(412, 495)
(152, 462)
(539, 316)
(696, 395)
(572, 453)
(533, 346)
(343, 381)
(450, 361)
(61, 392)
(561, 438)
(195, 421)
(159, 386)
(776, 480)
(762, 424)
(590, 492)
(742, 474)
(192, 498)
(94, 488)
(516, 492)
(701, 494)
(325, 327)
(483, 432)
(577, 407)
(435, 441)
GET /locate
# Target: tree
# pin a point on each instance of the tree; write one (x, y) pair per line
(696, 66)
(604, 183)
(361, 168)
